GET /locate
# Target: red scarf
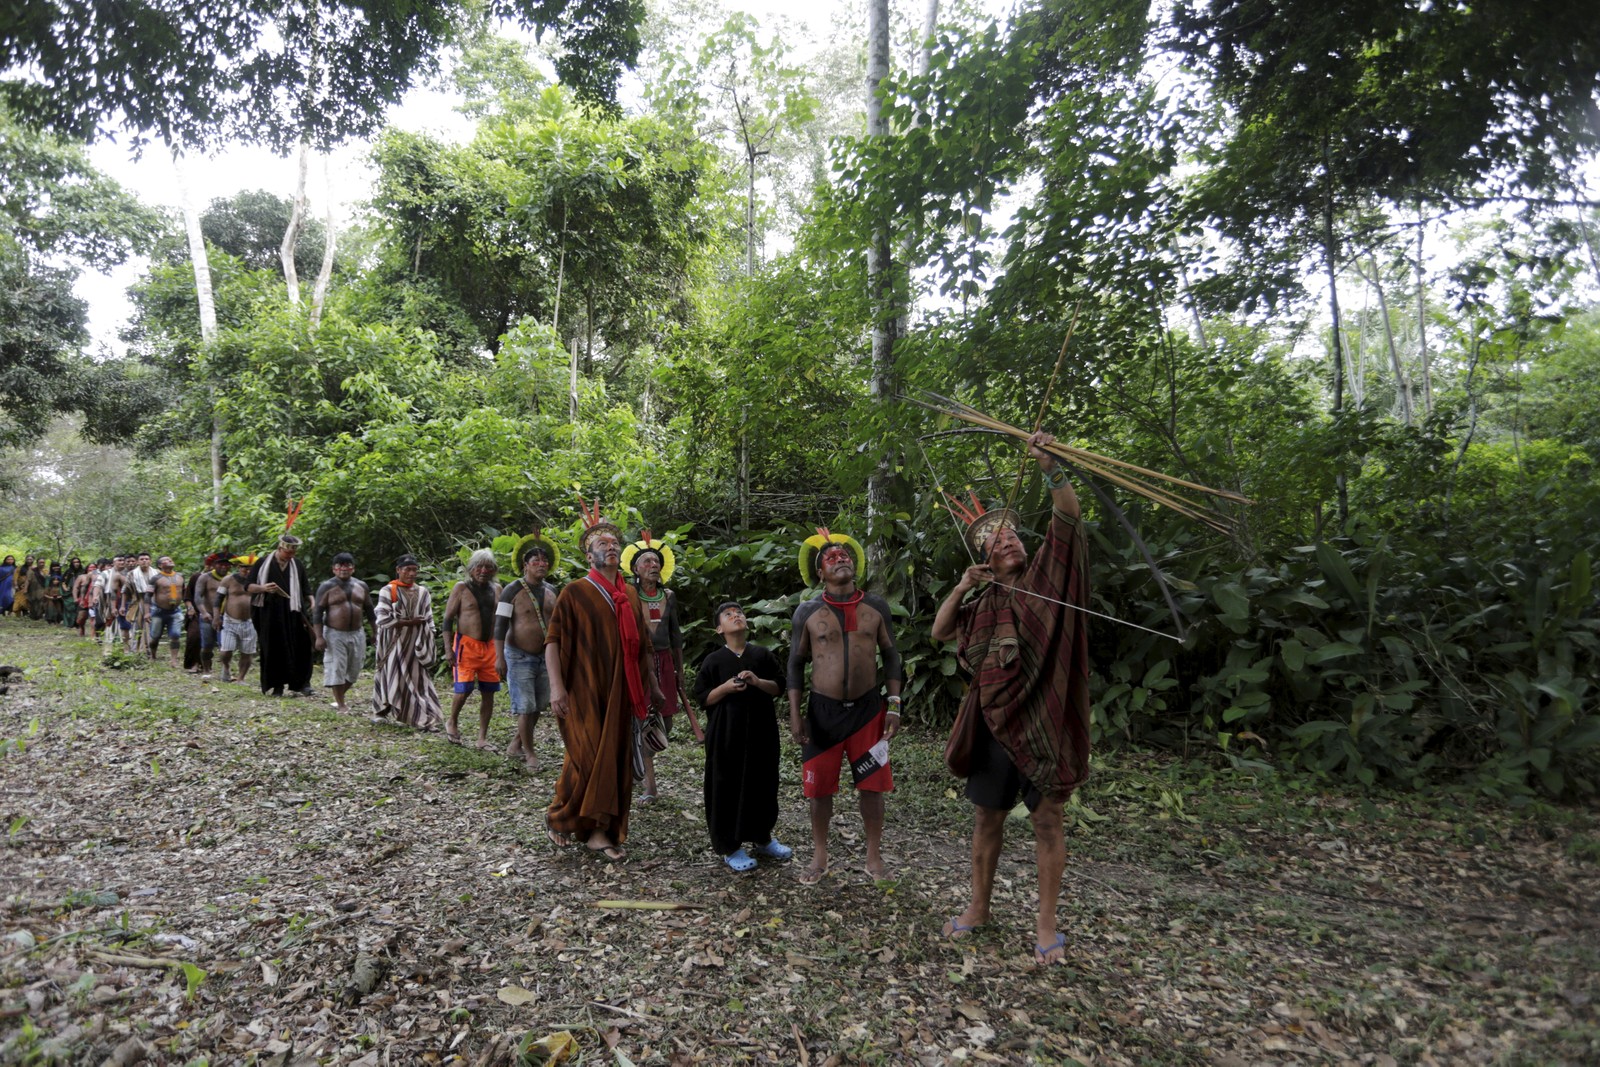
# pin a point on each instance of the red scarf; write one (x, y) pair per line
(628, 630)
(847, 608)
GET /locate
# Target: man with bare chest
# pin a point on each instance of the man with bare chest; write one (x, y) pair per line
(841, 632)
(231, 607)
(83, 598)
(519, 623)
(166, 609)
(204, 601)
(469, 635)
(339, 614)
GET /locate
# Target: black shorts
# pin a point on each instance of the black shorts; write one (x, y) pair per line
(995, 781)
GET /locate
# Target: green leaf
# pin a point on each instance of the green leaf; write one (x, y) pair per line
(192, 977)
(1333, 650)
(1337, 569)
(1231, 599)
(1156, 673)
(1293, 653)
(1581, 579)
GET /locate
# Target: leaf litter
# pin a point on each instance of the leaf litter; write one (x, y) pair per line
(196, 872)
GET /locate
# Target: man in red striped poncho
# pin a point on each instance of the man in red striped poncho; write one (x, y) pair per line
(1023, 729)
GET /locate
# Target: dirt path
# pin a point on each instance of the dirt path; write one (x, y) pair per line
(206, 874)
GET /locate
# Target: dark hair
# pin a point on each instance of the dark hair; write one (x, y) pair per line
(535, 549)
(344, 557)
(716, 616)
(407, 560)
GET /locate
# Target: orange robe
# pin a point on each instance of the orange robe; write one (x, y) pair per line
(595, 789)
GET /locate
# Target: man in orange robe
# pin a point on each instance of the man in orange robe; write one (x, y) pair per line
(602, 679)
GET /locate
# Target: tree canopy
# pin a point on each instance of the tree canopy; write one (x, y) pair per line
(322, 71)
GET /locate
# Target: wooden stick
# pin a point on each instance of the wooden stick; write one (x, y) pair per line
(1038, 420)
(645, 905)
(1098, 464)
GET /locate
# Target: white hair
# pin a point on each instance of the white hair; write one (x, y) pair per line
(482, 558)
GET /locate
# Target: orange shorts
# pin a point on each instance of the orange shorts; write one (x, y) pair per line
(474, 665)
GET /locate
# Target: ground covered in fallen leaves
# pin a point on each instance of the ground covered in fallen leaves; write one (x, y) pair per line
(193, 873)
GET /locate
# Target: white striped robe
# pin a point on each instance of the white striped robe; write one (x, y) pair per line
(403, 686)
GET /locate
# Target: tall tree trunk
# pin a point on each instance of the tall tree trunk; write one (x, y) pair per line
(744, 469)
(588, 329)
(1355, 362)
(1422, 321)
(930, 23)
(907, 242)
(297, 215)
(319, 293)
(1330, 254)
(880, 284)
(751, 155)
(1588, 241)
(291, 233)
(208, 320)
(1188, 298)
(561, 276)
(572, 392)
(1402, 384)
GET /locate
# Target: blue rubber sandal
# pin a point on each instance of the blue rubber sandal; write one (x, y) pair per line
(774, 849)
(740, 861)
(1041, 951)
(955, 929)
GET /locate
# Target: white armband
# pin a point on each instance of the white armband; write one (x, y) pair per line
(504, 609)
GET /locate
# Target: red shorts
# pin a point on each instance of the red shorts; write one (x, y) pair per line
(841, 729)
(475, 664)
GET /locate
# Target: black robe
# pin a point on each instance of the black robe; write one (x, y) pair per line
(191, 625)
(283, 635)
(741, 750)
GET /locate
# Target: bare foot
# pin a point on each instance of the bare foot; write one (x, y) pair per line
(484, 745)
(878, 870)
(531, 765)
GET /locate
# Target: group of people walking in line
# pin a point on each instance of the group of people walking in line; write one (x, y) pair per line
(605, 655)
(38, 589)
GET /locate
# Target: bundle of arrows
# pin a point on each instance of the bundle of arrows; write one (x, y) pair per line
(1163, 489)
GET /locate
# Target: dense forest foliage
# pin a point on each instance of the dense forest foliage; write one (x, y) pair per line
(1339, 258)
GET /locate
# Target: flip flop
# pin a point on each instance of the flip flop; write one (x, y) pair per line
(740, 861)
(610, 852)
(810, 877)
(955, 929)
(557, 838)
(773, 849)
(454, 739)
(1041, 952)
